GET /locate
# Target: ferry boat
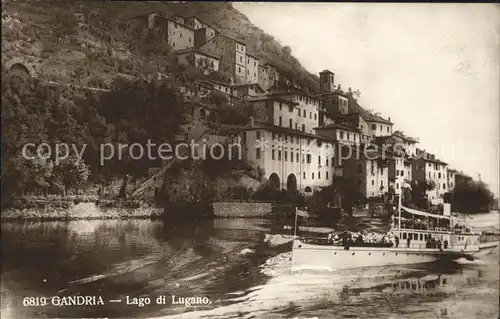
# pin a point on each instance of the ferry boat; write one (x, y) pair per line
(423, 237)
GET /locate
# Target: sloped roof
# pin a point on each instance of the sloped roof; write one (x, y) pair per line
(339, 126)
(404, 137)
(199, 51)
(354, 107)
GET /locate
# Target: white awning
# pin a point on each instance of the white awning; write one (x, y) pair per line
(420, 213)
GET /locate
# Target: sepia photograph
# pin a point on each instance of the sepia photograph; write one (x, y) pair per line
(257, 160)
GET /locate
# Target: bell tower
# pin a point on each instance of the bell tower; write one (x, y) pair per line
(327, 81)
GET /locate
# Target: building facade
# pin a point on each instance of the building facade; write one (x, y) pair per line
(232, 53)
(203, 61)
(252, 67)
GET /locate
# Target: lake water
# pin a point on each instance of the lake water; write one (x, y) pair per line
(228, 262)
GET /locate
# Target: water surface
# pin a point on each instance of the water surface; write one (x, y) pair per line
(228, 262)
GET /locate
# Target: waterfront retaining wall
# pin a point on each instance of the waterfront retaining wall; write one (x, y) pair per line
(236, 209)
(242, 209)
(54, 211)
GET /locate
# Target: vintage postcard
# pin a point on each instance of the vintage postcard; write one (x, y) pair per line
(187, 159)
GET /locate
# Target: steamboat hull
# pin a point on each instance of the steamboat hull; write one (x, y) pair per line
(331, 258)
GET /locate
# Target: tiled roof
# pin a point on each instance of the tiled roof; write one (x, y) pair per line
(404, 137)
(339, 126)
(287, 130)
(202, 52)
(354, 107)
(272, 98)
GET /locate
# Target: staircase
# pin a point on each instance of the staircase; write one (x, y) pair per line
(150, 182)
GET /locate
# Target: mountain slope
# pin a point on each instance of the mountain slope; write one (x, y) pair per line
(37, 23)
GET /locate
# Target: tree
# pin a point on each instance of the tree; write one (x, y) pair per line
(71, 172)
(419, 191)
(471, 196)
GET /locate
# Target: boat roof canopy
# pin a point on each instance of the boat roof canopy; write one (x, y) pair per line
(417, 212)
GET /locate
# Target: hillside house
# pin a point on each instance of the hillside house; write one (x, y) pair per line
(263, 76)
(427, 167)
(252, 67)
(206, 62)
(232, 53)
(177, 34)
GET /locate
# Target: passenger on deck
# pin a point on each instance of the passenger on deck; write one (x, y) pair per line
(359, 241)
(445, 244)
(396, 239)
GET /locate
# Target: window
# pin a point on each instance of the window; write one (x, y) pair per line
(415, 236)
(290, 108)
(291, 156)
(341, 134)
(388, 129)
(444, 186)
(312, 174)
(421, 237)
(239, 68)
(326, 164)
(380, 127)
(241, 59)
(290, 123)
(397, 185)
(173, 44)
(257, 134)
(315, 116)
(272, 155)
(381, 183)
(326, 175)
(439, 175)
(319, 160)
(348, 136)
(297, 157)
(308, 158)
(298, 111)
(304, 113)
(257, 154)
(374, 127)
(279, 121)
(286, 156)
(310, 115)
(404, 235)
(189, 40)
(373, 182)
(303, 127)
(333, 162)
(304, 175)
(279, 155)
(319, 175)
(274, 136)
(281, 106)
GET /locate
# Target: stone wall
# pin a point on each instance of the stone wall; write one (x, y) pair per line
(51, 211)
(242, 209)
